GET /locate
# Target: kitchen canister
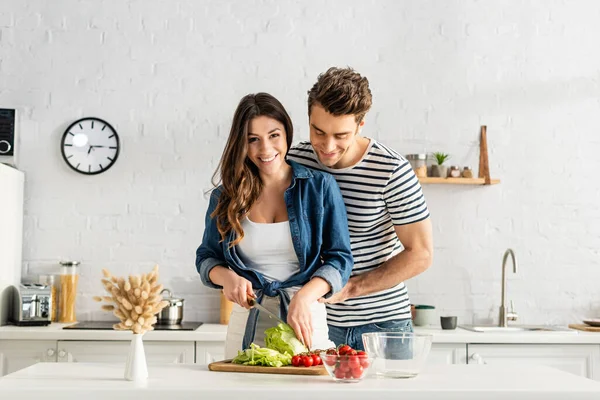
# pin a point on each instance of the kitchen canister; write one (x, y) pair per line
(425, 315)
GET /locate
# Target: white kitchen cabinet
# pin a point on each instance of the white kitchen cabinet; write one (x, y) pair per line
(583, 360)
(19, 354)
(208, 352)
(117, 351)
(447, 353)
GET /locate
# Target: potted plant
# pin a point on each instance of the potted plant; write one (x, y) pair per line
(439, 170)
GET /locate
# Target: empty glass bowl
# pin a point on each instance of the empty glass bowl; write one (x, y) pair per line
(397, 354)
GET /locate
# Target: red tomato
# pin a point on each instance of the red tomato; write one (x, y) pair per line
(343, 349)
(332, 351)
(344, 366)
(364, 362)
(351, 352)
(307, 361)
(316, 359)
(296, 360)
(330, 359)
(348, 374)
(340, 374)
(361, 353)
(353, 361)
(357, 371)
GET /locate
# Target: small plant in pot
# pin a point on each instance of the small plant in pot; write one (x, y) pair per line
(439, 170)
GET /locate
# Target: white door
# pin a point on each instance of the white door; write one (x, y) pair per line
(578, 359)
(447, 353)
(19, 354)
(208, 352)
(117, 351)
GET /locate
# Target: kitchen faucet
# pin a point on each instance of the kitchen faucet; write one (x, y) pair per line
(504, 315)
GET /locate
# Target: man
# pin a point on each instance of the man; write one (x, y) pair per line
(389, 223)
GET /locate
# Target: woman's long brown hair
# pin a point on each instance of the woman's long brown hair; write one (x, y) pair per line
(238, 175)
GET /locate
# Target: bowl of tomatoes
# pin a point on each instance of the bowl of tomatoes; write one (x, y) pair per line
(345, 364)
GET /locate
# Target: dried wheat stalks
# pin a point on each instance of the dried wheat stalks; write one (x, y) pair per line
(135, 301)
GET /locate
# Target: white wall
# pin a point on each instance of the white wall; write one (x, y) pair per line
(168, 75)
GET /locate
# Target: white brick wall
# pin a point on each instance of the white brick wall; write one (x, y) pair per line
(168, 75)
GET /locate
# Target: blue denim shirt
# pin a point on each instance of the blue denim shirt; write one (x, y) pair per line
(319, 230)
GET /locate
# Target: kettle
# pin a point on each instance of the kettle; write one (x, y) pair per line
(172, 314)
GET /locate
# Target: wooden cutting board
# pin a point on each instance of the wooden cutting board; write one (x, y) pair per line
(227, 366)
(584, 327)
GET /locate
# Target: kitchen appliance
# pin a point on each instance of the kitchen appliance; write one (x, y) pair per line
(11, 235)
(8, 136)
(172, 314)
(32, 304)
(108, 325)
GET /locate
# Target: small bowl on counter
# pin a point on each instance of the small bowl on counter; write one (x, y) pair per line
(397, 354)
(348, 367)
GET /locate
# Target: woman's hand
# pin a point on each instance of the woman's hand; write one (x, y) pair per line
(300, 318)
(237, 289)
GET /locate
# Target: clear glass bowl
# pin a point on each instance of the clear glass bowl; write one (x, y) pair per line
(397, 354)
(346, 368)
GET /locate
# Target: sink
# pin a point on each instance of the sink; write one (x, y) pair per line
(517, 328)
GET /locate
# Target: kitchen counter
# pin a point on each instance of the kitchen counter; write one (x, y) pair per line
(55, 331)
(101, 381)
(216, 332)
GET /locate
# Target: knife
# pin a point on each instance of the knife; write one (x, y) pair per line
(254, 304)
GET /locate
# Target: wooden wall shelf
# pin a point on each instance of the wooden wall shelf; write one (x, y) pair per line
(459, 181)
(484, 168)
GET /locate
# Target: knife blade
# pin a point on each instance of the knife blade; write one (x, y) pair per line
(254, 304)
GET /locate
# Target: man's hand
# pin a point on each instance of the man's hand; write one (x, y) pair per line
(342, 295)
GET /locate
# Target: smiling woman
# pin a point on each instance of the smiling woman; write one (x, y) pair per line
(256, 245)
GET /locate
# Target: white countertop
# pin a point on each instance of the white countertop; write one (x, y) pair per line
(447, 382)
(216, 333)
(55, 331)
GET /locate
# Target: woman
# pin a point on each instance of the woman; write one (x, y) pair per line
(275, 231)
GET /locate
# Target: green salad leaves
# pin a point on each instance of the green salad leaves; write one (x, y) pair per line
(281, 344)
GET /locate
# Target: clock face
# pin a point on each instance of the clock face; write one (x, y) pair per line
(90, 146)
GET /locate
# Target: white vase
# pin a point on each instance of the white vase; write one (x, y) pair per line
(136, 368)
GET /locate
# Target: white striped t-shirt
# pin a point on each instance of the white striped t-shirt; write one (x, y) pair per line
(380, 191)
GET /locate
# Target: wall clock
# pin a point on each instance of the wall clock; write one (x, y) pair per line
(90, 146)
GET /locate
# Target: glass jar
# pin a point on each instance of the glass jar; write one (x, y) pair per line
(50, 280)
(69, 277)
(454, 171)
(418, 162)
(467, 172)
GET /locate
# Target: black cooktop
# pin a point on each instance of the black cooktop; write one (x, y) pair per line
(108, 325)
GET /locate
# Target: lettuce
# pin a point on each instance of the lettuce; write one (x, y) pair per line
(283, 339)
(257, 355)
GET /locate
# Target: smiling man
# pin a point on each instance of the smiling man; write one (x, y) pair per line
(389, 223)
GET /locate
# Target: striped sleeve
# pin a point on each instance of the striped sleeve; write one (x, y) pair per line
(403, 196)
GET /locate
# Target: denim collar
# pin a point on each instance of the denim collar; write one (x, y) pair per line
(299, 170)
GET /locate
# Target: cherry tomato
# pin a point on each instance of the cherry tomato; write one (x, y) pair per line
(316, 359)
(340, 374)
(343, 349)
(364, 362)
(332, 351)
(296, 360)
(357, 371)
(353, 361)
(330, 359)
(307, 361)
(351, 352)
(361, 353)
(343, 365)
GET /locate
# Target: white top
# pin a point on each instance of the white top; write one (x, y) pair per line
(268, 249)
(192, 381)
(380, 192)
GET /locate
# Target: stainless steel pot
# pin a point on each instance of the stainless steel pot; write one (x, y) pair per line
(172, 314)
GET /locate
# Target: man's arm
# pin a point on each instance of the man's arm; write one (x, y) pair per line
(416, 258)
